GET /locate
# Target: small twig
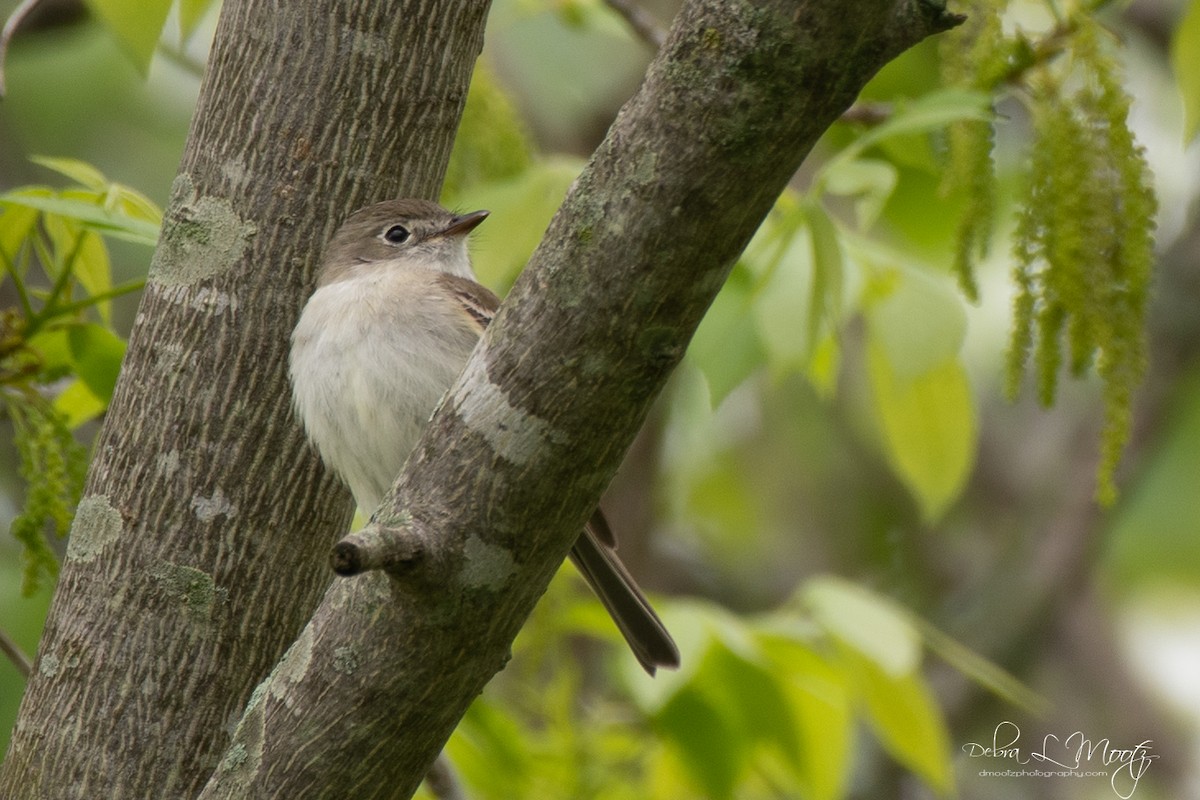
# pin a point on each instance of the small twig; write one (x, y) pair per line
(640, 22)
(442, 781)
(376, 547)
(61, 284)
(10, 28)
(16, 655)
(10, 266)
(100, 297)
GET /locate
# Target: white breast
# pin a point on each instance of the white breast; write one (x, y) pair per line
(371, 357)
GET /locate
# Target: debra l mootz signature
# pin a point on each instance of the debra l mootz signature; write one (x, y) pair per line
(1076, 753)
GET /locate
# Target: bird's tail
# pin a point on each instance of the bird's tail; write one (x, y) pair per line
(595, 556)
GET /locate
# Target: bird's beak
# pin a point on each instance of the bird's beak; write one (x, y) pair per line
(464, 223)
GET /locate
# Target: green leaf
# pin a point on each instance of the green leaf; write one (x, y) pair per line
(865, 621)
(823, 369)
(782, 254)
(726, 346)
(929, 113)
(135, 205)
(870, 182)
(52, 347)
(928, 427)
(97, 352)
(829, 271)
(932, 112)
(16, 222)
(91, 266)
(90, 213)
(689, 439)
(781, 259)
(903, 714)
(79, 171)
(806, 281)
(753, 696)
(97, 190)
(819, 697)
(707, 742)
(917, 318)
(79, 404)
(137, 24)
(1185, 55)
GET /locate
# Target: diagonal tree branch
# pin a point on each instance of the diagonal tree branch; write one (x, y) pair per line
(520, 451)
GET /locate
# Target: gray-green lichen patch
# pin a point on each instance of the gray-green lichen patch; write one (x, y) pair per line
(234, 758)
(50, 664)
(97, 525)
(514, 434)
(256, 697)
(194, 589)
(346, 659)
(245, 754)
(488, 566)
(202, 236)
(645, 169)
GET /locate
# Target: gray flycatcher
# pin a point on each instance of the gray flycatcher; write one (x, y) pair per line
(390, 326)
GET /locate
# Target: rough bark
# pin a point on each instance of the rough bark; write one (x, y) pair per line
(518, 454)
(200, 546)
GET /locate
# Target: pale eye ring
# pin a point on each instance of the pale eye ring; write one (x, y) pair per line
(397, 234)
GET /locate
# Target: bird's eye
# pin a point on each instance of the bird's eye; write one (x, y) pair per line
(397, 234)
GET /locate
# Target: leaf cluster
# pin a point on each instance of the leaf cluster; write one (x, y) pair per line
(59, 354)
(763, 707)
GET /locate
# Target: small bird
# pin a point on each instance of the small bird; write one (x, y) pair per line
(396, 313)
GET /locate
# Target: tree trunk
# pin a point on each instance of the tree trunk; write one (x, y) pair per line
(200, 546)
(520, 451)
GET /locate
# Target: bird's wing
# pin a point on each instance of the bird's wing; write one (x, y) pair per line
(478, 302)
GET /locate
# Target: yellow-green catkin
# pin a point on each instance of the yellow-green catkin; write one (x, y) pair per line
(1084, 240)
(973, 56)
(53, 464)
